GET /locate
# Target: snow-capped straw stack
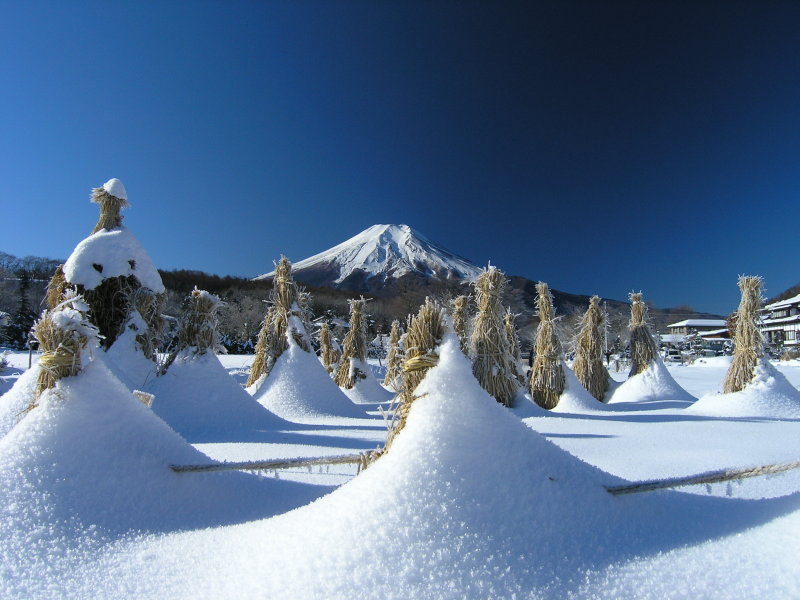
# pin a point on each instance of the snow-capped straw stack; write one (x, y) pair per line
(460, 321)
(262, 363)
(326, 347)
(394, 358)
(287, 300)
(513, 344)
(62, 332)
(424, 334)
(547, 375)
(491, 361)
(199, 325)
(747, 339)
(643, 347)
(111, 198)
(354, 347)
(588, 366)
(149, 305)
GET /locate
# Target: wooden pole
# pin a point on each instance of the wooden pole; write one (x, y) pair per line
(269, 465)
(709, 477)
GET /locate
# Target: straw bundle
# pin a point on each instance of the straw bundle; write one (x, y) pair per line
(56, 288)
(643, 347)
(110, 207)
(262, 363)
(461, 320)
(287, 299)
(394, 358)
(547, 375)
(491, 361)
(355, 348)
(110, 305)
(424, 334)
(326, 347)
(748, 341)
(149, 306)
(513, 345)
(199, 324)
(589, 367)
(62, 332)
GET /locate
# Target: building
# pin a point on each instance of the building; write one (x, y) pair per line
(780, 322)
(688, 326)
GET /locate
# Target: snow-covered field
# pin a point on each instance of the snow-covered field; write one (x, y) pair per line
(470, 503)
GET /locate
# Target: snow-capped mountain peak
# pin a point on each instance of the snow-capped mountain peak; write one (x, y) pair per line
(383, 252)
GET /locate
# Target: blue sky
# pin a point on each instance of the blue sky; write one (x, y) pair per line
(601, 147)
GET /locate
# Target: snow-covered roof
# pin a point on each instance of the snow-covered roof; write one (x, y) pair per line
(108, 254)
(699, 323)
(713, 332)
(669, 338)
(782, 303)
(788, 319)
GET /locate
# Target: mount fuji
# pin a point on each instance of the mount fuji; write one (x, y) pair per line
(379, 255)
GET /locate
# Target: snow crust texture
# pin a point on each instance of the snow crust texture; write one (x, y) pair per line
(299, 389)
(390, 251)
(116, 253)
(768, 395)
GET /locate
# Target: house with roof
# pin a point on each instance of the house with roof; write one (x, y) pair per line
(699, 326)
(780, 322)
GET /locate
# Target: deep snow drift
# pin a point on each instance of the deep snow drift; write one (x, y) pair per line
(299, 389)
(199, 400)
(768, 395)
(654, 384)
(468, 503)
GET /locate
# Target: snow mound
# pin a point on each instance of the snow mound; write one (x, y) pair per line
(652, 385)
(90, 454)
(712, 361)
(299, 389)
(576, 399)
(769, 395)
(198, 399)
(126, 360)
(468, 503)
(15, 401)
(108, 254)
(368, 390)
(114, 187)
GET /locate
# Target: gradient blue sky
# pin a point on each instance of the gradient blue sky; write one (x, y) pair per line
(601, 147)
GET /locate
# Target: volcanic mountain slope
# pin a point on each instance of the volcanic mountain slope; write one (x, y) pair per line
(379, 255)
